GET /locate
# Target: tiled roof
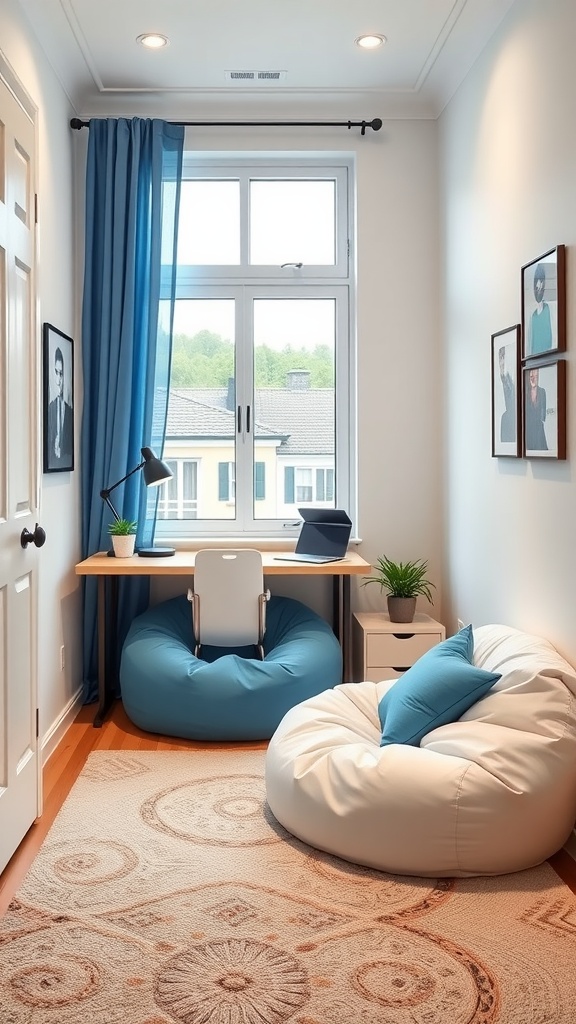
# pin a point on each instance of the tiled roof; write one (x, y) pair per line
(302, 420)
(191, 415)
(188, 417)
(306, 415)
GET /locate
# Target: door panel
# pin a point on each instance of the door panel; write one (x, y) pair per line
(19, 391)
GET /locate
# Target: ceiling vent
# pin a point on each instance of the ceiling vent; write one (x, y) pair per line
(255, 77)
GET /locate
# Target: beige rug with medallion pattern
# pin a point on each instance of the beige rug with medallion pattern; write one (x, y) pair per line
(165, 892)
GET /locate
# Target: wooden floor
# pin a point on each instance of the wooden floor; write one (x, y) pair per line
(119, 733)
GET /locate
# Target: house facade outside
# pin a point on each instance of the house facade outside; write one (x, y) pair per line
(293, 451)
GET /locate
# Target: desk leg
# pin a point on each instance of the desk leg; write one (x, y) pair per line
(342, 622)
(346, 629)
(105, 693)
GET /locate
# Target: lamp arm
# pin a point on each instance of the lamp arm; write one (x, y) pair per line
(106, 491)
(110, 505)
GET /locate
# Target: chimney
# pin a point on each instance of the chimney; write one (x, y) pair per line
(231, 395)
(298, 380)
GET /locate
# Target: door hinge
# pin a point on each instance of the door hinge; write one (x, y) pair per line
(37, 723)
(35, 207)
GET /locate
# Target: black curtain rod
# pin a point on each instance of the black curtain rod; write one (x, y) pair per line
(375, 124)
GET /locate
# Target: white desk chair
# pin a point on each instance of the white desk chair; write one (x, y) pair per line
(228, 598)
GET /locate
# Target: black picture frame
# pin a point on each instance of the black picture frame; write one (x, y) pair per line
(58, 415)
(506, 393)
(543, 299)
(544, 410)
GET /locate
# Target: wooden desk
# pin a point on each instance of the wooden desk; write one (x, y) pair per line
(108, 571)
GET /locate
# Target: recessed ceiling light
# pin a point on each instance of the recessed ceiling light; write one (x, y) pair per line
(153, 40)
(370, 42)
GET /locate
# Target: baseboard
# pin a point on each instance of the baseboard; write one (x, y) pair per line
(57, 730)
(570, 845)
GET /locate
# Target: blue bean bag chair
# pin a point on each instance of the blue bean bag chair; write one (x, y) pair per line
(223, 695)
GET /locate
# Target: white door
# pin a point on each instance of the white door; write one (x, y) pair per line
(19, 476)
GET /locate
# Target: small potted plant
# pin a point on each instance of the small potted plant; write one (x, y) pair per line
(404, 581)
(123, 533)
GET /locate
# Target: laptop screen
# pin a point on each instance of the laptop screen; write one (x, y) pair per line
(324, 532)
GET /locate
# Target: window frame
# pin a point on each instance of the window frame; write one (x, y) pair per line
(276, 169)
(244, 284)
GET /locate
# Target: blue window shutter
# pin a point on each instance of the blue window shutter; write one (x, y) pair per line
(259, 481)
(288, 485)
(320, 496)
(223, 482)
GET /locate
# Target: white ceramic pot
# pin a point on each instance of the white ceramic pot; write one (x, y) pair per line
(124, 545)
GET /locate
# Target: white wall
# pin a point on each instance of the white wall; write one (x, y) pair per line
(508, 153)
(59, 622)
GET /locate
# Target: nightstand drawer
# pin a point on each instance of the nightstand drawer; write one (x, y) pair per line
(384, 649)
(377, 675)
(398, 651)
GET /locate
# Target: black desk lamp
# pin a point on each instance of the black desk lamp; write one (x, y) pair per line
(155, 473)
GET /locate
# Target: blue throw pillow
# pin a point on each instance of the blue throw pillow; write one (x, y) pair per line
(437, 689)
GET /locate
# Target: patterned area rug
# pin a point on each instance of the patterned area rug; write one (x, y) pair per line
(166, 892)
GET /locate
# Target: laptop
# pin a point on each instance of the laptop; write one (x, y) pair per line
(324, 536)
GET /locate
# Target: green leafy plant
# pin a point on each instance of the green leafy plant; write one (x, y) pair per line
(122, 527)
(401, 579)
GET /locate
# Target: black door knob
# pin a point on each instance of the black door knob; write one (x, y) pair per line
(37, 538)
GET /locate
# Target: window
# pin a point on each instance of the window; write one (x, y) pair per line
(178, 498)
(308, 486)
(226, 481)
(262, 385)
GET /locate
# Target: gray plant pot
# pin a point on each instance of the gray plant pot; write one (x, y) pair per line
(401, 609)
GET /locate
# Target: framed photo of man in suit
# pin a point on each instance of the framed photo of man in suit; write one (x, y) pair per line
(506, 412)
(58, 359)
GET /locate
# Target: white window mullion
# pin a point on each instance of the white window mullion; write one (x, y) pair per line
(244, 219)
(346, 431)
(245, 398)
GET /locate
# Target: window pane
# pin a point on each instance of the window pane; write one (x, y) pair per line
(201, 426)
(168, 493)
(292, 222)
(177, 498)
(304, 492)
(189, 490)
(294, 430)
(209, 223)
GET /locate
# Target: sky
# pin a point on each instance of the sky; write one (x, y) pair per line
(301, 323)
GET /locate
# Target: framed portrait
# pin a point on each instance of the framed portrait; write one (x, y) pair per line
(544, 304)
(58, 388)
(544, 405)
(506, 439)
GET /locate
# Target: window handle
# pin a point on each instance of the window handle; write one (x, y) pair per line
(247, 419)
(296, 265)
(239, 419)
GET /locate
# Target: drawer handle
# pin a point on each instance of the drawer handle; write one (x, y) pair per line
(400, 668)
(403, 636)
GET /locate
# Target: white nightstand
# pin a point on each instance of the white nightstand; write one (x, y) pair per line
(384, 649)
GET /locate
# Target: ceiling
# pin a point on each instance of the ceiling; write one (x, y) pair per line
(431, 45)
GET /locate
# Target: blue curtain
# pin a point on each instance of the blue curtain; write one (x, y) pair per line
(133, 179)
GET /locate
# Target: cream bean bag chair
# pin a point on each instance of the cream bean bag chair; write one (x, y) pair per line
(490, 792)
